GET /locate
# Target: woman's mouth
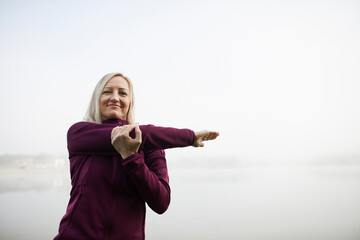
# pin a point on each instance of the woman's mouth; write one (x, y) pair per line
(113, 105)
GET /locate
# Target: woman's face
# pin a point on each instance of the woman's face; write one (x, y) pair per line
(115, 99)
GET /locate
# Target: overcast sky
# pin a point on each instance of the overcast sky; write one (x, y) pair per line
(277, 79)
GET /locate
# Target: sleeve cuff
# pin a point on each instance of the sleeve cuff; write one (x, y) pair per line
(131, 158)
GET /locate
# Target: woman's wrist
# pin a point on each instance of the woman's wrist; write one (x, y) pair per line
(127, 154)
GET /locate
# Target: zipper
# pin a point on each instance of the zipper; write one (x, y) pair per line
(115, 189)
(115, 192)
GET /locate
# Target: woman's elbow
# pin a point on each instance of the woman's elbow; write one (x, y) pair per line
(161, 206)
(160, 210)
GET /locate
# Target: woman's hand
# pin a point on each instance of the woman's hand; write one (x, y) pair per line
(123, 142)
(204, 135)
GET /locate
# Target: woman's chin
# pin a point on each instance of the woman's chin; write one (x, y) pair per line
(115, 115)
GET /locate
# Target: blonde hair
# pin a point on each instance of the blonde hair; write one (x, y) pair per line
(93, 113)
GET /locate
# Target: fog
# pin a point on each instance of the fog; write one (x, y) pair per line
(279, 80)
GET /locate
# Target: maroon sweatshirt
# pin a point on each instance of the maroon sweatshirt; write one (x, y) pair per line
(108, 195)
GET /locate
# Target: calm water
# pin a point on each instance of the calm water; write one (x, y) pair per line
(252, 204)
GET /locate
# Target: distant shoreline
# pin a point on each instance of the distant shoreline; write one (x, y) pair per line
(30, 171)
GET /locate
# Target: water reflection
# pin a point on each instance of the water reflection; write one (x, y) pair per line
(235, 203)
(262, 203)
(34, 180)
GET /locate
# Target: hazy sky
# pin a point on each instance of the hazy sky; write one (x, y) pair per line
(278, 79)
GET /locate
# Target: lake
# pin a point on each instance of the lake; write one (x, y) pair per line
(268, 203)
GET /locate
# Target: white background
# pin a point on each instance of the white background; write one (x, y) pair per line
(277, 79)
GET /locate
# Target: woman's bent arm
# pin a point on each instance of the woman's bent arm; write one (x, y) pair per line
(148, 172)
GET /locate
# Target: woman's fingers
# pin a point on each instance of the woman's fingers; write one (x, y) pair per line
(123, 131)
(116, 132)
(204, 135)
(123, 142)
(129, 128)
(208, 135)
(212, 135)
(137, 133)
(113, 132)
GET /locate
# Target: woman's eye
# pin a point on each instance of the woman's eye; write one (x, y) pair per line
(105, 92)
(123, 93)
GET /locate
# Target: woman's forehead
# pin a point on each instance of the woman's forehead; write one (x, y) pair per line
(117, 82)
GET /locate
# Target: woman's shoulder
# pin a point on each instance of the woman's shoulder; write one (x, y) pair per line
(83, 125)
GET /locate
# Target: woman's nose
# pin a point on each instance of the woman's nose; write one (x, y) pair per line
(114, 98)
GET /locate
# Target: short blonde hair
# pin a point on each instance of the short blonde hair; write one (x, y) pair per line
(93, 113)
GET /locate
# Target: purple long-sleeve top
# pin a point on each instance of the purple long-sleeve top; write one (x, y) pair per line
(108, 195)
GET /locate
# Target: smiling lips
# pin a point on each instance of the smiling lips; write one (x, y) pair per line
(113, 105)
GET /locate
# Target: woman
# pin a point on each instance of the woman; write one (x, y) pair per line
(116, 166)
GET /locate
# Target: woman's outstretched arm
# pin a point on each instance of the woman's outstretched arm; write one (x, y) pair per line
(93, 138)
(127, 139)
